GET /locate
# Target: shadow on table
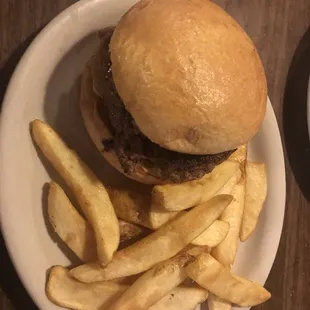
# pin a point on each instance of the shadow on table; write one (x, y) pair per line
(9, 281)
(295, 115)
(9, 66)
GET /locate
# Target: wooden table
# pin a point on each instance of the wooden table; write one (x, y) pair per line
(280, 30)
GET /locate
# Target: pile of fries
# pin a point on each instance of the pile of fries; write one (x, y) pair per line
(173, 253)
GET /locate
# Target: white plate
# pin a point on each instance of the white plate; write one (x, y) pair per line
(45, 86)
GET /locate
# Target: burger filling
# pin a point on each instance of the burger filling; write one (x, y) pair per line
(134, 150)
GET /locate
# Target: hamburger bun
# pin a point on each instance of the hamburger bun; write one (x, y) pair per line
(189, 75)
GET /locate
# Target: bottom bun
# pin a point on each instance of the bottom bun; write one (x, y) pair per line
(98, 131)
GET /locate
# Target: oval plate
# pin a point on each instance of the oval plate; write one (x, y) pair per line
(45, 85)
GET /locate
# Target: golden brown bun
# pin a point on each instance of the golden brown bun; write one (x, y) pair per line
(98, 131)
(189, 75)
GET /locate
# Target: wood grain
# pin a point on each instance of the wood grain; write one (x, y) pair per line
(280, 30)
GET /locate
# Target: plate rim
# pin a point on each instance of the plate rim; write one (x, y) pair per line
(20, 68)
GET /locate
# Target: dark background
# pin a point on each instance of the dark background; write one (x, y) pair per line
(280, 30)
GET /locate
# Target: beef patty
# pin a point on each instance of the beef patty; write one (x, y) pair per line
(133, 148)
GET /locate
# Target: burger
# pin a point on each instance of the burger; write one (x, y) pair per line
(173, 90)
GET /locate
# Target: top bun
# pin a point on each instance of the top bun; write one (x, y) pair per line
(189, 75)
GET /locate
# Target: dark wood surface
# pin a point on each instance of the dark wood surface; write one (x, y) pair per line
(280, 30)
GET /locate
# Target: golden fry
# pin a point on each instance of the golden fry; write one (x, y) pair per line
(132, 203)
(177, 197)
(217, 279)
(88, 190)
(226, 251)
(241, 154)
(158, 246)
(213, 235)
(182, 298)
(75, 231)
(70, 226)
(255, 196)
(153, 285)
(63, 290)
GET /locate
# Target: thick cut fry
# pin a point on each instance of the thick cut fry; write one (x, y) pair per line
(228, 187)
(182, 298)
(225, 252)
(176, 197)
(89, 191)
(153, 285)
(132, 203)
(75, 231)
(241, 154)
(214, 235)
(217, 303)
(255, 195)
(217, 279)
(63, 290)
(70, 225)
(158, 246)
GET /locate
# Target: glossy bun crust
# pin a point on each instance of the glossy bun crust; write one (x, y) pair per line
(189, 75)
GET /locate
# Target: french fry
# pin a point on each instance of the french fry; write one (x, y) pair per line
(255, 195)
(217, 279)
(177, 197)
(132, 203)
(158, 246)
(230, 184)
(217, 303)
(213, 235)
(214, 302)
(89, 191)
(70, 225)
(165, 254)
(225, 252)
(182, 298)
(75, 231)
(63, 290)
(241, 154)
(153, 285)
